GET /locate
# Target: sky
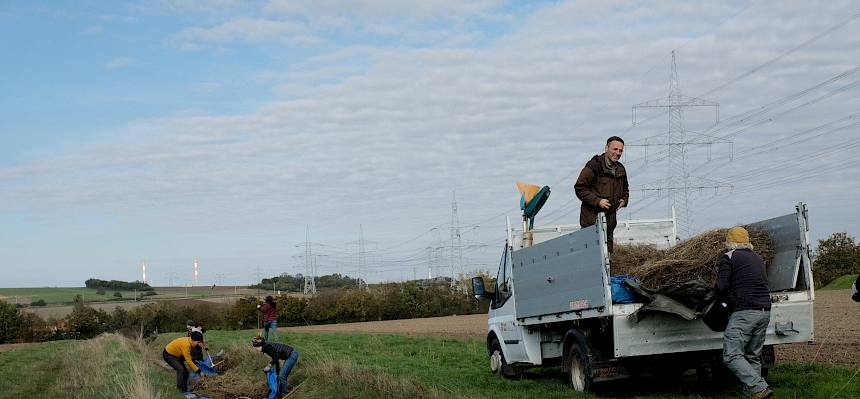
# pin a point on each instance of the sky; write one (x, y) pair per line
(235, 132)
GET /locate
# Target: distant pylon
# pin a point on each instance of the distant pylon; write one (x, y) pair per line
(456, 241)
(361, 258)
(679, 182)
(310, 282)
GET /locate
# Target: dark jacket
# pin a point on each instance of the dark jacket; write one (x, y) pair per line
(277, 351)
(742, 281)
(270, 311)
(596, 182)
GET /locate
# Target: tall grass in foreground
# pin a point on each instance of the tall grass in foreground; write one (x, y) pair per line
(352, 366)
(108, 366)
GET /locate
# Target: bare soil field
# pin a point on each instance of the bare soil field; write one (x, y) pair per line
(837, 330)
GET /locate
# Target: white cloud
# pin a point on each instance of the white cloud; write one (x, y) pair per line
(120, 62)
(385, 142)
(248, 30)
(381, 9)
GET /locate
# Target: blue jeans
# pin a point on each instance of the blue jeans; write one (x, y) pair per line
(285, 371)
(273, 325)
(742, 343)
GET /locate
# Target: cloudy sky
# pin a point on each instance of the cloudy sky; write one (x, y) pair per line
(161, 131)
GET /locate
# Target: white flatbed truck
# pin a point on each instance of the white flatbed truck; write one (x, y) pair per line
(552, 306)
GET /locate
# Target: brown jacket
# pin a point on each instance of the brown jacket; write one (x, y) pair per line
(596, 182)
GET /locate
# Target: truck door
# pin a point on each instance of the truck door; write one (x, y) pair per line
(503, 313)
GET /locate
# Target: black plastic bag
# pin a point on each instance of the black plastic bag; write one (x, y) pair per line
(717, 316)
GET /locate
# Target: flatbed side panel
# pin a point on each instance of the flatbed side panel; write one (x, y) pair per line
(560, 275)
(786, 233)
(658, 333)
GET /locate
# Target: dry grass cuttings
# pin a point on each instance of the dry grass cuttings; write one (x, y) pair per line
(625, 258)
(359, 382)
(694, 258)
(241, 375)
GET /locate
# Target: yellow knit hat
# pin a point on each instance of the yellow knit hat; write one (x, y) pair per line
(738, 235)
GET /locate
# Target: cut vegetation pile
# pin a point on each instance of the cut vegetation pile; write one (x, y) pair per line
(239, 375)
(696, 258)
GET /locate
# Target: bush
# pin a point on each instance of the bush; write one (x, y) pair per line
(291, 310)
(835, 257)
(243, 315)
(9, 322)
(38, 302)
(86, 321)
(117, 294)
(32, 328)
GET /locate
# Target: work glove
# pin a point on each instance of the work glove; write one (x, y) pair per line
(259, 306)
(267, 368)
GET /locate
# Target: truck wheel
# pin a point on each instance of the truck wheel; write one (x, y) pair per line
(579, 370)
(499, 365)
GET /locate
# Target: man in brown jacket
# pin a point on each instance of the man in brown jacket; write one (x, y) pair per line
(602, 187)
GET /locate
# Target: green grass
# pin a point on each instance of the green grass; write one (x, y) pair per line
(25, 371)
(459, 368)
(841, 283)
(368, 366)
(65, 295)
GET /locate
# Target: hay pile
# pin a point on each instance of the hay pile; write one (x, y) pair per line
(240, 375)
(694, 258)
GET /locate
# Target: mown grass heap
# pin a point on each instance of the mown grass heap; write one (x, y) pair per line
(241, 374)
(694, 258)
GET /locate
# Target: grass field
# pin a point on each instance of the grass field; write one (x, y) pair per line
(841, 283)
(353, 366)
(65, 295)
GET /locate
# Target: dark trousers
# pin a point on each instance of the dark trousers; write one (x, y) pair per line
(590, 219)
(182, 372)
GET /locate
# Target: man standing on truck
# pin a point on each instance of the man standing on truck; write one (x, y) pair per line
(742, 284)
(602, 187)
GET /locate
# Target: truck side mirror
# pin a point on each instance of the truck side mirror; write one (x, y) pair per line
(478, 290)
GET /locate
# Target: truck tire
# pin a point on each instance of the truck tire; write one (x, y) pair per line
(498, 364)
(579, 369)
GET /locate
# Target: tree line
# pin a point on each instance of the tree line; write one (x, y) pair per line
(117, 285)
(296, 283)
(343, 305)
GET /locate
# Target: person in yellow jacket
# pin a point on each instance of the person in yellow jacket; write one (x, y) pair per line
(178, 350)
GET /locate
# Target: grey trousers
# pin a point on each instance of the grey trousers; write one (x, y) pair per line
(742, 343)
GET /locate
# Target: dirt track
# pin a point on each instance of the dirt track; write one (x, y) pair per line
(837, 330)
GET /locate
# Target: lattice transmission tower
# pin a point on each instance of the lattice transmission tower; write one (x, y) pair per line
(310, 280)
(679, 183)
(456, 255)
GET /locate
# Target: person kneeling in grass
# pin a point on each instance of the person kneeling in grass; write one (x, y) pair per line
(178, 350)
(278, 352)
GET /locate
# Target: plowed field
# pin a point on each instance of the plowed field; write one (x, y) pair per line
(837, 330)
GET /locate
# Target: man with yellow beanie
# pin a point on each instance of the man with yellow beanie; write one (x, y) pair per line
(742, 284)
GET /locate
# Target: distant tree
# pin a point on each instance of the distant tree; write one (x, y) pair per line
(296, 283)
(32, 328)
(117, 294)
(835, 256)
(243, 315)
(117, 285)
(9, 322)
(291, 309)
(38, 302)
(86, 321)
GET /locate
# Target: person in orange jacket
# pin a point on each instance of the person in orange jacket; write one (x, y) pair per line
(178, 350)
